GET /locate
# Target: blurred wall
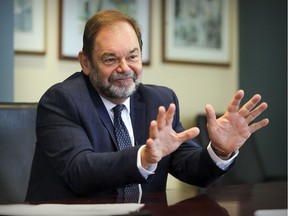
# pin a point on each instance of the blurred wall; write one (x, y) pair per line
(263, 69)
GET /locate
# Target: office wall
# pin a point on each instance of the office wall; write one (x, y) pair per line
(6, 52)
(263, 69)
(194, 84)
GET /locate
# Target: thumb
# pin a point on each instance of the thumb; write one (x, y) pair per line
(188, 134)
(210, 115)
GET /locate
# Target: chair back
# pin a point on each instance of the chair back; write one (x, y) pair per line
(17, 145)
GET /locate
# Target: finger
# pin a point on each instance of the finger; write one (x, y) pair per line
(246, 108)
(188, 134)
(170, 114)
(256, 112)
(153, 130)
(258, 125)
(234, 105)
(161, 118)
(149, 143)
(210, 115)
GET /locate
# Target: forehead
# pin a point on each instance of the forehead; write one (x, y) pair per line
(117, 37)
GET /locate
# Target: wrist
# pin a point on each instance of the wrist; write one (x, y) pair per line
(143, 158)
(221, 154)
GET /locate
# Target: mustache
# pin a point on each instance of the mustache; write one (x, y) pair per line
(127, 75)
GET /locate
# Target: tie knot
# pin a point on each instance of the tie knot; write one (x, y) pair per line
(118, 109)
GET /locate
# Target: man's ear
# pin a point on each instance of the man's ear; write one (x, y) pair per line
(84, 62)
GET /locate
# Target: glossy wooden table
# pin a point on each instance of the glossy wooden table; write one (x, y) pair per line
(249, 198)
(233, 200)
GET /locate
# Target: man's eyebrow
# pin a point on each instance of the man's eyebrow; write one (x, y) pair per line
(134, 50)
(108, 54)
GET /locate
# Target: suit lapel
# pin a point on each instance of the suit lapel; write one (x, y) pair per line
(138, 118)
(102, 112)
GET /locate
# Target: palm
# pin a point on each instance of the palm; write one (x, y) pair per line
(229, 132)
(163, 139)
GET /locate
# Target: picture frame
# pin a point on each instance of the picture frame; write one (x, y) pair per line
(29, 27)
(73, 15)
(196, 31)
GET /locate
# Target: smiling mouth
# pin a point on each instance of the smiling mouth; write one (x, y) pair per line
(123, 78)
(124, 81)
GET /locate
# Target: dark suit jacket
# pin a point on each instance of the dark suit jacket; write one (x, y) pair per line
(76, 152)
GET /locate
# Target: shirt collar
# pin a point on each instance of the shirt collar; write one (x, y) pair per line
(109, 105)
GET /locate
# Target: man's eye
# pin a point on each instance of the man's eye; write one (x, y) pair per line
(133, 58)
(109, 61)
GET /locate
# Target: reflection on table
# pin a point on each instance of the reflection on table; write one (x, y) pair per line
(237, 200)
(233, 200)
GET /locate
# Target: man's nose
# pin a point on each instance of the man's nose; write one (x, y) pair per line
(123, 66)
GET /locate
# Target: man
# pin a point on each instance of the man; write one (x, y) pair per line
(78, 153)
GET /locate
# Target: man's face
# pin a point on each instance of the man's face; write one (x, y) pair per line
(117, 66)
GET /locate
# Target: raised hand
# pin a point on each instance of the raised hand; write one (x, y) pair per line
(229, 132)
(163, 139)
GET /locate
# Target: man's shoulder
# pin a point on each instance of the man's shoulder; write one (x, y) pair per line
(76, 78)
(153, 88)
(155, 91)
(74, 86)
(73, 82)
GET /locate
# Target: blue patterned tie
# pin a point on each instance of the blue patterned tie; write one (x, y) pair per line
(131, 192)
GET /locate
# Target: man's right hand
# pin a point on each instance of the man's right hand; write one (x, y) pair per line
(163, 139)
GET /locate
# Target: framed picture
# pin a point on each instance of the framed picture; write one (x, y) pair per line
(196, 31)
(29, 26)
(74, 14)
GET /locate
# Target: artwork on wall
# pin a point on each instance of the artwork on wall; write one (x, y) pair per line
(29, 26)
(74, 14)
(196, 31)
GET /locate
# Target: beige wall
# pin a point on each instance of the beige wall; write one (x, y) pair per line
(195, 85)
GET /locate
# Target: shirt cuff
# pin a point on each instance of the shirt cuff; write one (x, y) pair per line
(222, 164)
(145, 172)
